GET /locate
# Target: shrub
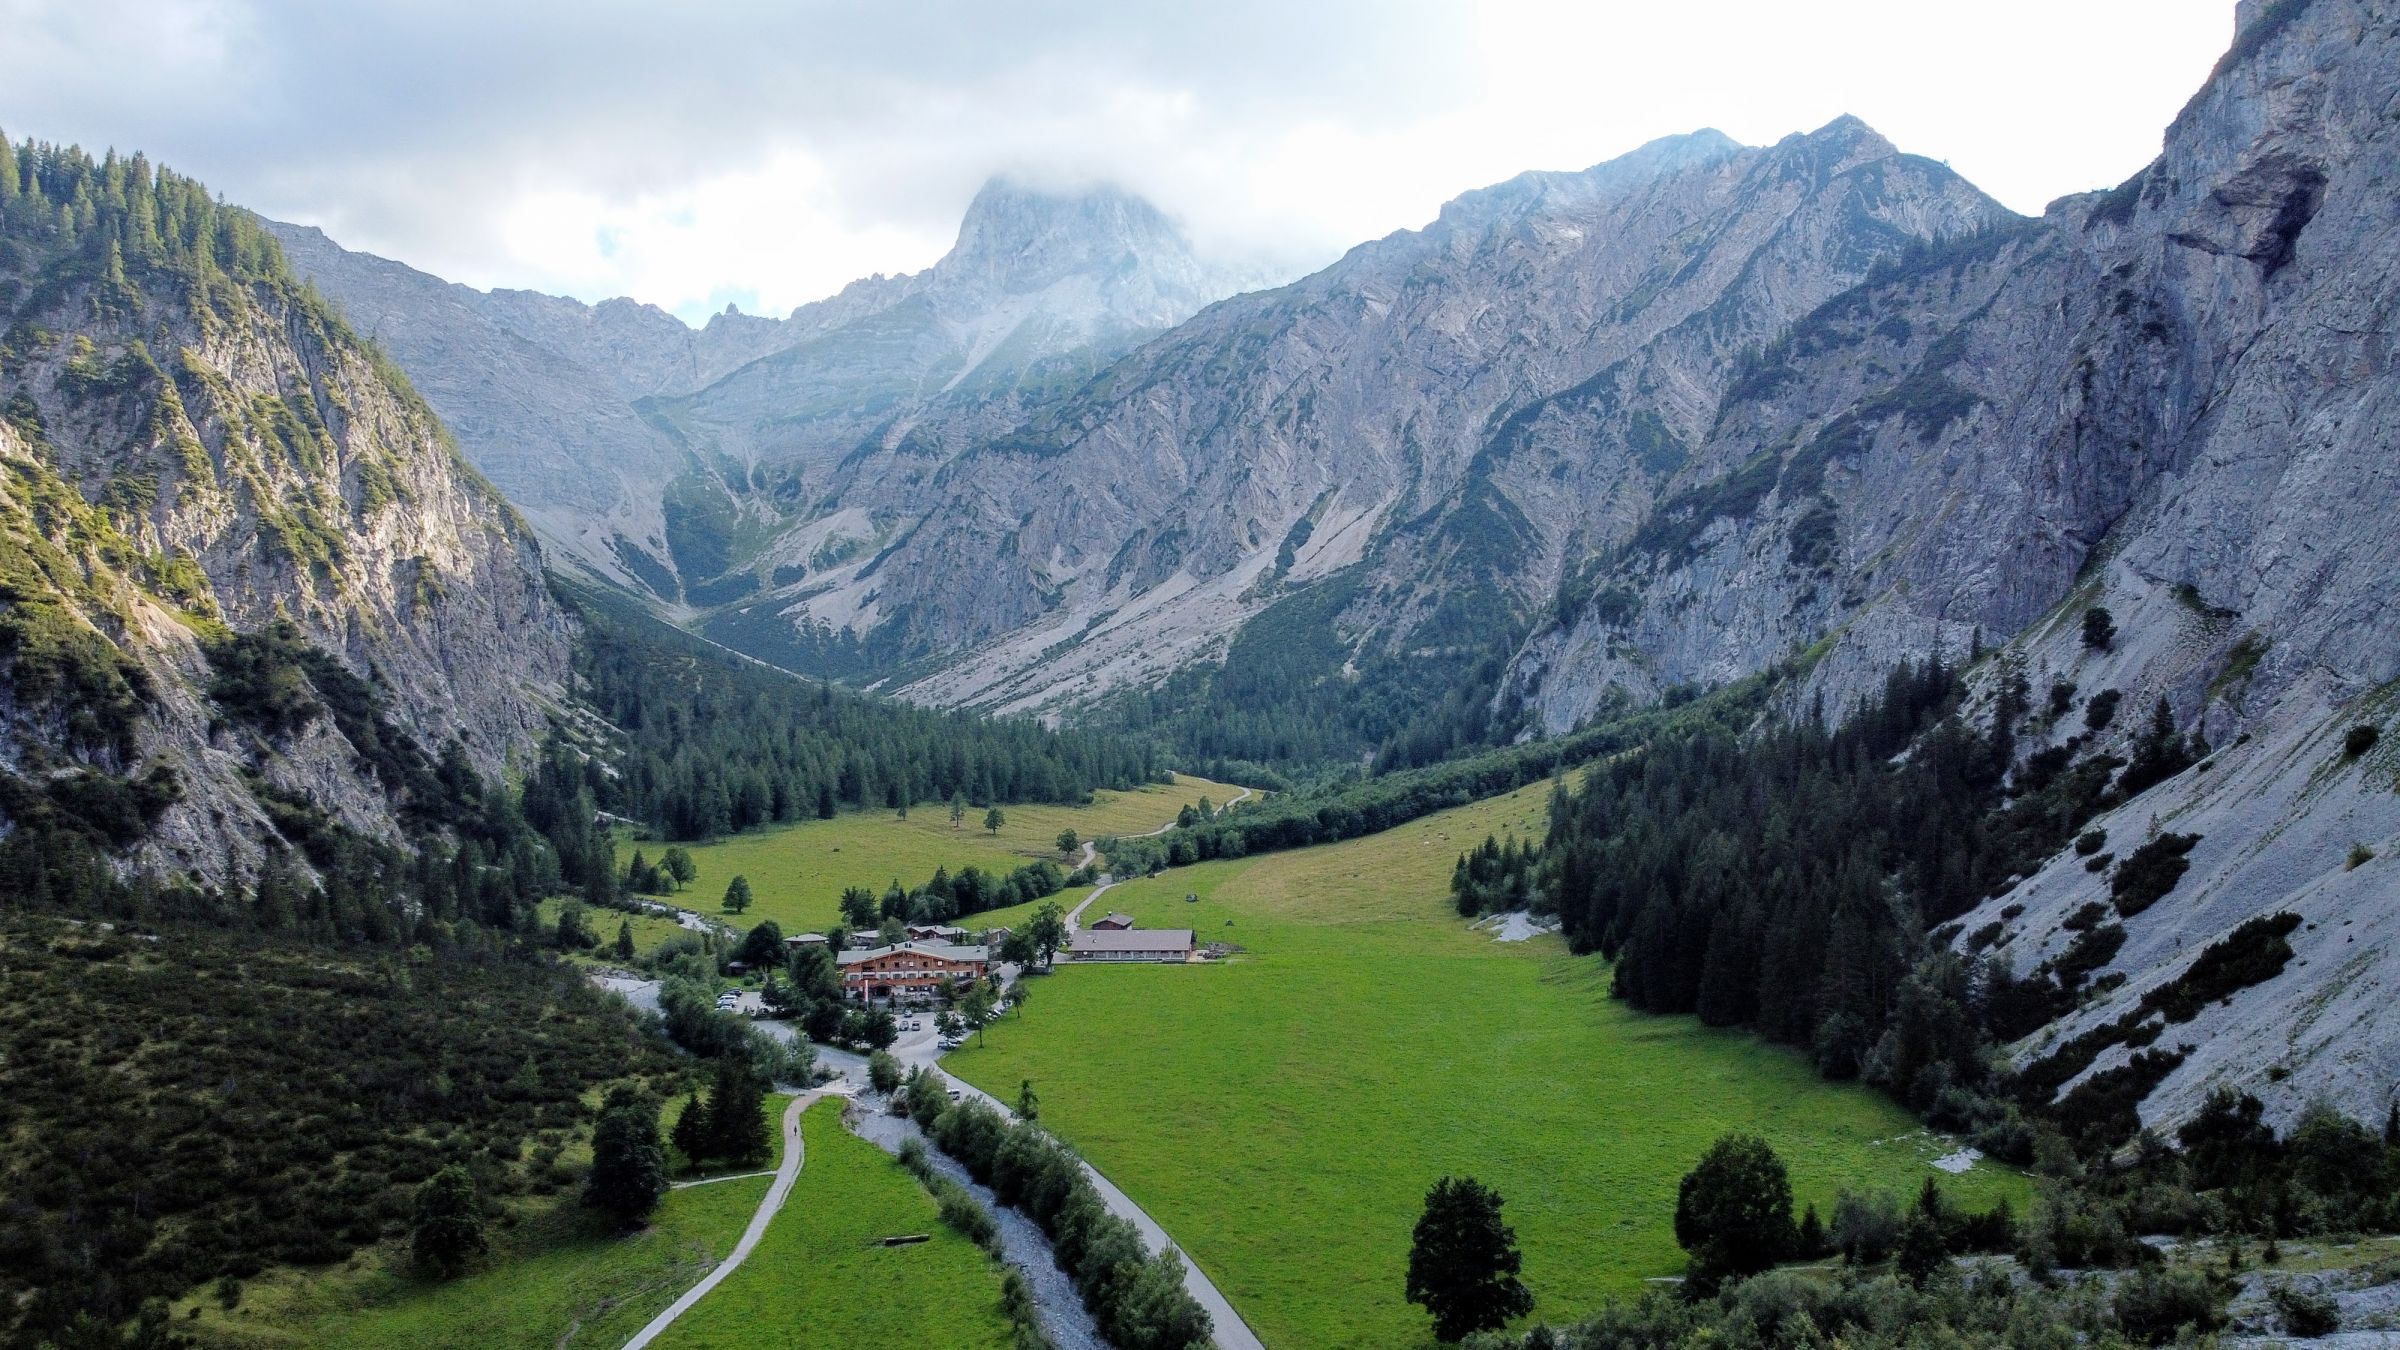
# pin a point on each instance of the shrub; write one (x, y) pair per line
(2360, 856)
(2090, 842)
(2154, 1306)
(1865, 1226)
(2149, 872)
(2099, 628)
(961, 1211)
(2305, 1312)
(2102, 710)
(2360, 739)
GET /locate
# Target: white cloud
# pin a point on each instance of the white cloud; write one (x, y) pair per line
(766, 151)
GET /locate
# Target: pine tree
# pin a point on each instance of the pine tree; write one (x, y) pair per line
(448, 1228)
(625, 940)
(629, 1168)
(694, 1134)
(737, 1113)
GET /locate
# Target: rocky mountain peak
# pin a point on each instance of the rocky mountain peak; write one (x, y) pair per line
(1549, 190)
(1017, 238)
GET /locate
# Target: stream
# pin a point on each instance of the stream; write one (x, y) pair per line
(1056, 1304)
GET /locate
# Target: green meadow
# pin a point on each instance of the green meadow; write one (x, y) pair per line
(798, 872)
(556, 1275)
(649, 930)
(1282, 1113)
(821, 1276)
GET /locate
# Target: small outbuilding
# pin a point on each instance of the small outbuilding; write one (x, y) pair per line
(1116, 921)
(1132, 944)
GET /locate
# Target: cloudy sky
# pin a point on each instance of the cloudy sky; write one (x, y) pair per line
(765, 152)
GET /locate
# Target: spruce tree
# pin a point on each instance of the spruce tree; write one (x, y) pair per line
(629, 1168)
(694, 1134)
(737, 1113)
(448, 1228)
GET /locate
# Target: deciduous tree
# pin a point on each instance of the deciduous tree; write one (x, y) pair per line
(1734, 1211)
(1463, 1266)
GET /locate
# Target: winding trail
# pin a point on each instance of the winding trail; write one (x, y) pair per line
(1090, 858)
(785, 1175)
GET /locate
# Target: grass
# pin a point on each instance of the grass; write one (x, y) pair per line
(797, 872)
(820, 1277)
(1283, 1113)
(649, 930)
(556, 1272)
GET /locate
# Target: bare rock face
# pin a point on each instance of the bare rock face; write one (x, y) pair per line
(1456, 409)
(2187, 373)
(186, 461)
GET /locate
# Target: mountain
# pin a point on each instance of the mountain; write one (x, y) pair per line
(1820, 406)
(243, 561)
(2165, 411)
(1405, 445)
(645, 449)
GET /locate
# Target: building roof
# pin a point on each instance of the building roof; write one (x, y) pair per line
(804, 940)
(945, 951)
(1114, 919)
(942, 928)
(1134, 940)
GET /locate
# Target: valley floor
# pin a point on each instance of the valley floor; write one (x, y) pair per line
(798, 872)
(1283, 1113)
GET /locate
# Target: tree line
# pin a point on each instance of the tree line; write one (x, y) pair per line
(712, 743)
(1790, 880)
(1300, 819)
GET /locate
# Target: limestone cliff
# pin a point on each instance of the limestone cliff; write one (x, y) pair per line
(196, 447)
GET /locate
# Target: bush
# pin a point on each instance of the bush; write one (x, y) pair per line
(961, 1211)
(2154, 1306)
(2099, 628)
(2360, 739)
(1865, 1227)
(2149, 872)
(2305, 1312)
(2090, 842)
(2102, 710)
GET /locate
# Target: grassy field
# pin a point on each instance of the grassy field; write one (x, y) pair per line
(1283, 1113)
(820, 1279)
(555, 1272)
(649, 930)
(797, 872)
